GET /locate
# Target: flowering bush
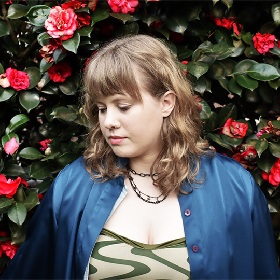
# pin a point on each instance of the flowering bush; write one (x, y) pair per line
(228, 49)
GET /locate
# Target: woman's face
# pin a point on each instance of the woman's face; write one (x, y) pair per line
(132, 128)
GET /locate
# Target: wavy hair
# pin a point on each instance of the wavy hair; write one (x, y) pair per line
(112, 71)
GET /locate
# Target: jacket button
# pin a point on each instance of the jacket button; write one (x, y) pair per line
(195, 248)
(187, 212)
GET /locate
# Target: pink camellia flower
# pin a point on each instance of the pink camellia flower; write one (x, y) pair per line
(59, 72)
(18, 79)
(44, 144)
(61, 23)
(123, 6)
(273, 177)
(235, 129)
(8, 249)
(8, 187)
(11, 146)
(4, 82)
(264, 42)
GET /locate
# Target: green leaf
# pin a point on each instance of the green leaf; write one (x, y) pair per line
(5, 204)
(4, 28)
(129, 28)
(275, 149)
(1, 69)
(43, 38)
(44, 65)
(85, 31)
(72, 44)
(16, 123)
(17, 213)
(234, 87)
(34, 75)
(234, 142)
(243, 66)
(99, 15)
(38, 14)
(29, 100)
(228, 111)
(30, 153)
(69, 87)
(123, 17)
(64, 113)
(58, 55)
(217, 71)
(16, 11)
(197, 69)
(275, 12)
(266, 161)
(261, 146)
(40, 170)
(276, 124)
(217, 139)
(263, 72)
(66, 158)
(177, 24)
(14, 170)
(31, 199)
(18, 233)
(246, 82)
(275, 84)
(6, 94)
(205, 111)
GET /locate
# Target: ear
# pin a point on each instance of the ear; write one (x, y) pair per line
(168, 101)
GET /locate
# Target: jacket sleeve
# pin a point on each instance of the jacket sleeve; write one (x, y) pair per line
(265, 257)
(34, 258)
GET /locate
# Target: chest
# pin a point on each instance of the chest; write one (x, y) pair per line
(147, 223)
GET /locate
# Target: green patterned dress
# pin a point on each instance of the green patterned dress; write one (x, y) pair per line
(117, 257)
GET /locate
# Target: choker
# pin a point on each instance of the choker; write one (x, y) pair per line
(140, 174)
(145, 197)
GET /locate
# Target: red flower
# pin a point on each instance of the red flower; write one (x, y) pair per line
(8, 248)
(74, 4)
(264, 42)
(18, 79)
(273, 177)
(123, 6)
(237, 27)
(229, 23)
(59, 72)
(83, 19)
(61, 23)
(235, 129)
(8, 187)
(44, 144)
(40, 196)
(11, 146)
(224, 22)
(246, 155)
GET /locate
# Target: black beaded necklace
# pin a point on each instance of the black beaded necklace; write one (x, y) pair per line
(145, 197)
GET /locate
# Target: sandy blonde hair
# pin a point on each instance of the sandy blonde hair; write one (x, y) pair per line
(110, 72)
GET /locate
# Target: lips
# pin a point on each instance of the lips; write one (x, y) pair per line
(116, 140)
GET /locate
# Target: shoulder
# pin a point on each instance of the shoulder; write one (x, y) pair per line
(227, 175)
(223, 164)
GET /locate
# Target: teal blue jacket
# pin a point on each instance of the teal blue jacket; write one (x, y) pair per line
(226, 219)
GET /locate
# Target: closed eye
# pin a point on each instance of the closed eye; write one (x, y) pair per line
(124, 108)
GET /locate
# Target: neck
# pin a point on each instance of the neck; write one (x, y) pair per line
(140, 166)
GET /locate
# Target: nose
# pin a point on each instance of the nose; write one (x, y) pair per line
(111, 120)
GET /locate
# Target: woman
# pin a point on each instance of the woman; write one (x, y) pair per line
(148, 200)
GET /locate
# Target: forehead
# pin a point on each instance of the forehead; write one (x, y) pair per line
(123, 97)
